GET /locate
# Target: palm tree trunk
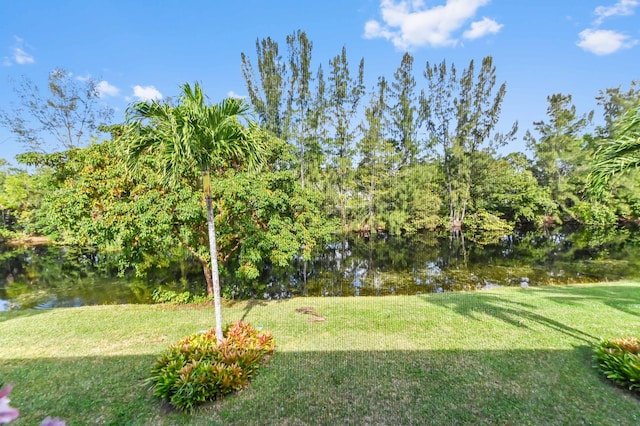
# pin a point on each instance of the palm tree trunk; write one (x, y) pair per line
(215, 277)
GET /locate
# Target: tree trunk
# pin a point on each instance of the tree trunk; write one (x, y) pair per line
(203, 261)
(215, 277)
(207, 277)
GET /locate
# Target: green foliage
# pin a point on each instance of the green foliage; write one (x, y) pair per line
(619, 360)
(461, 113)
(264, 218)
(6, 234)
(404, 115)
(266, 95)
(619, 154)
(198, 368)
(376, 165)
(561, 155)
(615, 102)
(289, 99)
(161, 295)
(420, 157)
(189, 137)
(414, 201)
(95, 202)
(508, 189)
(595, 213)
(345, 92)
(20, 196)
(450, 125)
(482, 220)
(625, 196)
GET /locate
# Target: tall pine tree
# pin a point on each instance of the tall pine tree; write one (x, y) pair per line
(461, 114)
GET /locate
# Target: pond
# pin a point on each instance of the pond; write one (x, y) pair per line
(49, 276)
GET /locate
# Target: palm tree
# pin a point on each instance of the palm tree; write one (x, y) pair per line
(619, 154)
(193, 136)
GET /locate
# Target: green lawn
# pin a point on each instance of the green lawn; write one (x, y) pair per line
(503, 356)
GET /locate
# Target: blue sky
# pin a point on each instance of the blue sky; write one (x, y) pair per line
(145, 49)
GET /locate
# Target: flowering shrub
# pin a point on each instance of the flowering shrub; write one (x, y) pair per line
(619, 360)
(198, 368)
(53, 421)
(9, 414)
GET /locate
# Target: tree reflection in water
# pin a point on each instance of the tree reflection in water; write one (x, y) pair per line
(49, 276)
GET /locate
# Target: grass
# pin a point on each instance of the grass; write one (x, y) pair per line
(502, 356)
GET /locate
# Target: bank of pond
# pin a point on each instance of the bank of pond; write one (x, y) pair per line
(49, 276)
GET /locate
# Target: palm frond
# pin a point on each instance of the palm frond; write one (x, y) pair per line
(617, 155)
(193, 134)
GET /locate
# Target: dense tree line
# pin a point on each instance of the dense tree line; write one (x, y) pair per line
(418, 150)
(422, 153)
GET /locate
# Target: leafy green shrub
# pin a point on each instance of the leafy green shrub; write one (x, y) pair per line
(161, 295)
(619, 360)
(6, 234)
(595, 213)
(198, 369)
(482, 220)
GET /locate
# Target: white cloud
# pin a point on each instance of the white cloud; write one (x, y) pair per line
(232, 94)
(146, 93)
(412, 24)
(604, 42)
(622, 8)
(21, 57)
(373, 29)
(19, 54)
(106, 89)
(481, 28)
(103, 87)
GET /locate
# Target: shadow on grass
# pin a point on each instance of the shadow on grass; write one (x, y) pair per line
(620, 297)
(252, 303)
(508, 310)
(339, 387)
(10, 315)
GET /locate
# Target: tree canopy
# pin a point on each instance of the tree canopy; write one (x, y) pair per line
(249, 186)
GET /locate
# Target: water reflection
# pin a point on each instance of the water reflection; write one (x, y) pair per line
(434, 262)
(45, 277)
